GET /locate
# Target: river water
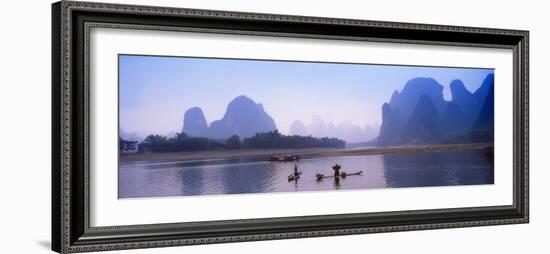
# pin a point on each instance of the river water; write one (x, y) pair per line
(234, 176)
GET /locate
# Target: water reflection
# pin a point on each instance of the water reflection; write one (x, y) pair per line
(247, 177)
(158, 179)
(437, 169)
(192, 181)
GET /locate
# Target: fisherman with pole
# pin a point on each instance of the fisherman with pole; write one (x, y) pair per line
(336, 169)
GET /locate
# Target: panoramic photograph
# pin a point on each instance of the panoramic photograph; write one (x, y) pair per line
(213, 126)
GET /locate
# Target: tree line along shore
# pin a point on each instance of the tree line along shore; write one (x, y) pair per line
(183, 142)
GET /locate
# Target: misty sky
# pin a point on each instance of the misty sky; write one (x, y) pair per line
(155, 92)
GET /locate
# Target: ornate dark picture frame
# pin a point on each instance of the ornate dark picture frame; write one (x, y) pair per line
(71, 231)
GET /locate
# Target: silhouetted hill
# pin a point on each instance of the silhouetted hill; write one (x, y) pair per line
(461, 96)
(419, 114)
(484, 126)
(407, 99)
(424, 125)
(471, 103)
(194, 123)
(244, 118)
(390, 130)
(480, 95)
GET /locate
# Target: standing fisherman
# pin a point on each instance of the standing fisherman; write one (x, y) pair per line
(336, 169)
(295, 170)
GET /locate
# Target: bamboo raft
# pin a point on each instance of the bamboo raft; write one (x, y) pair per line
(342, 175)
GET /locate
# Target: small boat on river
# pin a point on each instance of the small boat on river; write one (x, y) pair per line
(284, 158)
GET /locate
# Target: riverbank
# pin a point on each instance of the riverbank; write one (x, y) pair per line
(303, 153)
(400, 149)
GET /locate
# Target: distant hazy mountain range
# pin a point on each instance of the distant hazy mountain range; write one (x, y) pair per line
(419, 114)
(346, 130)
(245, 118)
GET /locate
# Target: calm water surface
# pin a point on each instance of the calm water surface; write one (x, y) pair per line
(161, 179)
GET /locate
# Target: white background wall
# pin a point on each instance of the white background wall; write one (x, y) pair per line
(25, 126)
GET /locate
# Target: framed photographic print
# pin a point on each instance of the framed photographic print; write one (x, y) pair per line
(181, 126)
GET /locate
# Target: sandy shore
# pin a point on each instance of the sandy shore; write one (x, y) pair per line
(303, 153)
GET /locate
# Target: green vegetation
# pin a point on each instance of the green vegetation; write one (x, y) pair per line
(274, 139)
(266, 140)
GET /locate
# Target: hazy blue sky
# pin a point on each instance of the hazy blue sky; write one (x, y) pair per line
(155, 92)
